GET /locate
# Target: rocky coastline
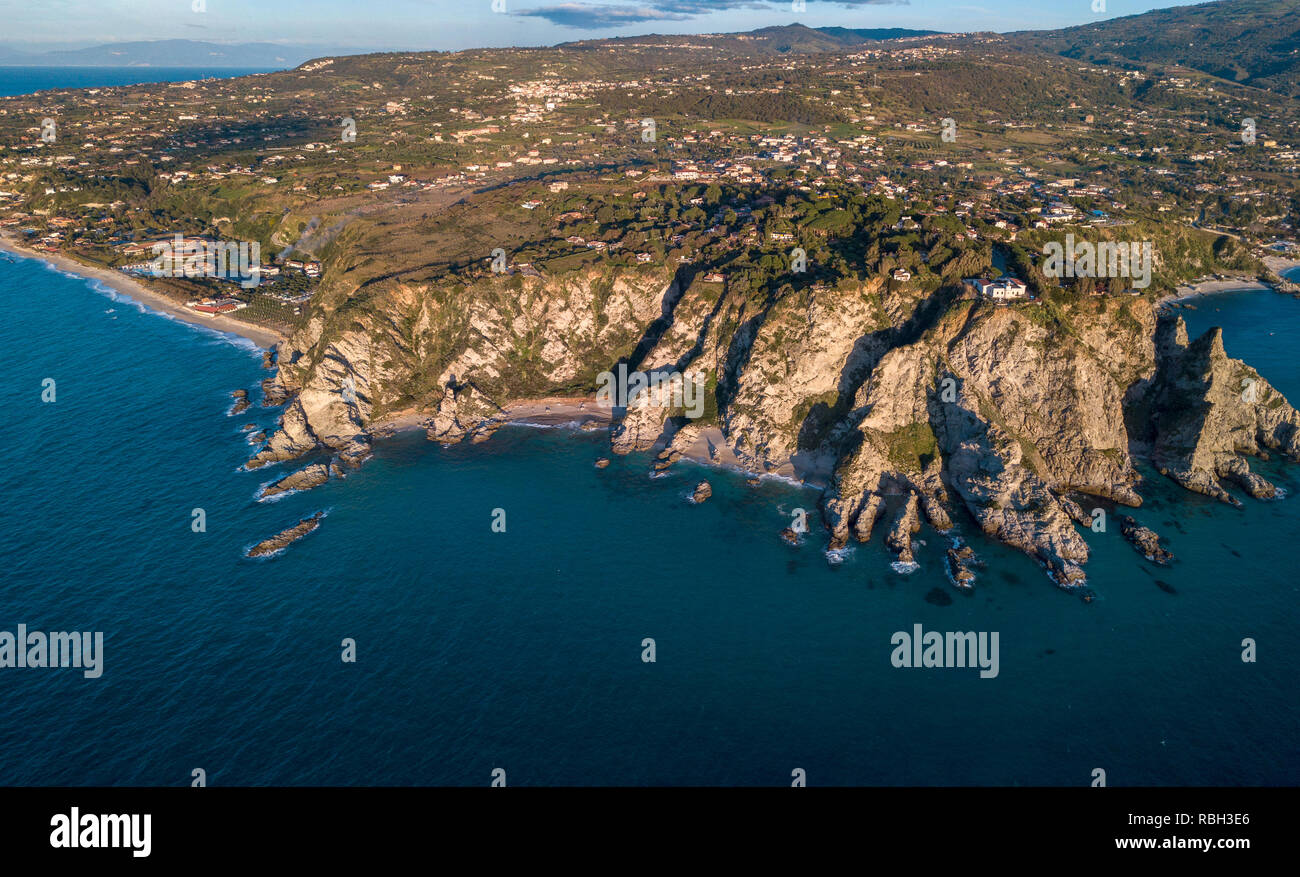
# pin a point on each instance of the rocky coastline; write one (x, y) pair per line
(912, 411)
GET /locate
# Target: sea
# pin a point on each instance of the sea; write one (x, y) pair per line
(26, 80)
(523, 647)
(502, 602)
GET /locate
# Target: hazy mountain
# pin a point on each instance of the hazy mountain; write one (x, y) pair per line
(796, 38)
(868, 34)
(164, 53)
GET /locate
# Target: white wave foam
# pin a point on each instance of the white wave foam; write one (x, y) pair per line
(274, 497)
(99, 286)
(836, 556)
(568, 424)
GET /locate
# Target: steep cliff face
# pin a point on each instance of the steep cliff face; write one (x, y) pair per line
(458, 354)
(1001, 412)
(916, 407)
(808, 349)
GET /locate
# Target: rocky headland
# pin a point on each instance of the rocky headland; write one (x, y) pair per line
(913, 409)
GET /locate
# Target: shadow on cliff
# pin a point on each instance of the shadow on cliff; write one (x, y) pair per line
(654, 332)
(825, 421)
(1146, 401)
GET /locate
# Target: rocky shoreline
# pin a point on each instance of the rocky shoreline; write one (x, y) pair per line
(946, 410)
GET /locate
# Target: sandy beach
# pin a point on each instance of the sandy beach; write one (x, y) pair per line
(1281, 263)
(559, 411)
(573, 411)
(136, 290)
(587, 413)
(1192, 291)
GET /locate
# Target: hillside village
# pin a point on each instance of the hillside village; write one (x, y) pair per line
(261, 158)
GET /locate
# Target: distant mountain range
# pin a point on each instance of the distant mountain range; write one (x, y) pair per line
(192, 53)
(1254, 42)
(166, 53)
(791, 38)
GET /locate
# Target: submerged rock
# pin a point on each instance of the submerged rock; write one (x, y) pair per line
(938, 597)
(602, 462)
(283, 539)
(790, 535)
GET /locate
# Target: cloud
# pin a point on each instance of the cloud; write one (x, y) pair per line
(597, 16)
(586, 16)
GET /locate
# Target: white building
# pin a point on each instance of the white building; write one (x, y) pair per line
(1002, 289)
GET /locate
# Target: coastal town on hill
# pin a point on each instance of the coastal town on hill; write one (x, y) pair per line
(640, 163)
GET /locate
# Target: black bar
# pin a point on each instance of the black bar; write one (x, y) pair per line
(334, 826)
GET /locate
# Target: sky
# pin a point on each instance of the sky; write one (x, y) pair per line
(376, 25)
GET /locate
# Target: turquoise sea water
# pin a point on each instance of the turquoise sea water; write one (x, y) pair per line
(522, 650)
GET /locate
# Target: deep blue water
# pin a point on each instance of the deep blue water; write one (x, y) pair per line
(522, 650)
(26, 80)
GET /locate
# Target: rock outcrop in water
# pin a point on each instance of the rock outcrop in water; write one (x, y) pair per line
(285, 538)
(960, 559)
(303, 479)
(1208, 410)
(914, 408)
(1145, 540)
